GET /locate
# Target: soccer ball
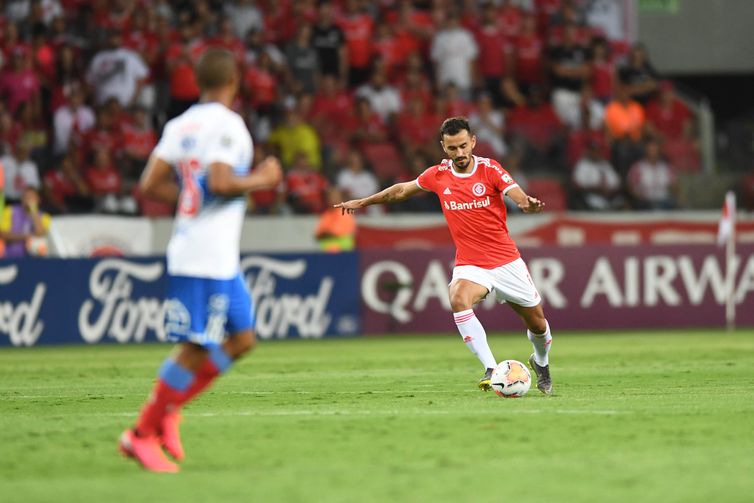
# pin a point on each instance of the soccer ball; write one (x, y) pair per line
(510, 379)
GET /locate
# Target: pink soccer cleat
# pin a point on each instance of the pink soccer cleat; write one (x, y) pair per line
(170, 435)
(147, 452)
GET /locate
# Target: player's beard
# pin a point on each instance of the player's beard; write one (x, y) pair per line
(461, 162)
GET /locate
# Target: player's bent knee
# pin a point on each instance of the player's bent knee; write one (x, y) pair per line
(537, 324)
(241, 343)
(538, 328)
(459, 302)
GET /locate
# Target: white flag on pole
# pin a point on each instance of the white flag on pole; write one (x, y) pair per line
(727, 226)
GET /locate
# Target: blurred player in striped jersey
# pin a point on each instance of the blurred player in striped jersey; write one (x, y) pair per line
(470, 189)
(209, 151)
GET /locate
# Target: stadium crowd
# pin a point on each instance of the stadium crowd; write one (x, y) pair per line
(349, 94)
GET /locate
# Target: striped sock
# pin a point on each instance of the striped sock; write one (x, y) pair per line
(172, 383)
(475, 337)
(541, 343)
(216, 363)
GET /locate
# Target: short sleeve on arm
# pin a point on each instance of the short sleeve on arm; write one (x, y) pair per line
(502, 180)
(426, 181)
(231, 146)
(168, 148)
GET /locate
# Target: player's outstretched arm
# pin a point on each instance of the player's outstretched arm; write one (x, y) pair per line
(393, 194)
(221, 179)
(158, 182)
(527, 203)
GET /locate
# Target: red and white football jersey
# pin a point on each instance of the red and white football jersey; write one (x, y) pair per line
(475, 211)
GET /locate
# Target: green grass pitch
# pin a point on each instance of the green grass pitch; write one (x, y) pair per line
(645, 416)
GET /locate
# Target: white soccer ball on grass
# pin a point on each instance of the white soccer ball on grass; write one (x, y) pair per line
(510, 379)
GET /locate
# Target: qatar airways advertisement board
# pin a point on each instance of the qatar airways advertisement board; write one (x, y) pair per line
(583, 288)
(61, 301)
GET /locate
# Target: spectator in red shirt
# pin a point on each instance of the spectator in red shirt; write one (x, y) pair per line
(65, 190)
(139, 138)
(20, 84)
(510, 19)
(180, 58)
(415, 85)
(331, 108)
(261, 84)
(365, 125)
(495, 53)
(104, 135)
(305, 187)
(12, 43)
(387, 49)
(669, 118)
(226, 39)
(528, 50)
(114, 15)
(279, 23)
(106, 184)
(358, 29)
(536, 130)
(415, 128)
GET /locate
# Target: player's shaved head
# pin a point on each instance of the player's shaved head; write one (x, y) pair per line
(454, 125)
(215, 69)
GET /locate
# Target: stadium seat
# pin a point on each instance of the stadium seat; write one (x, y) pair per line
(548, 190)
(385, 159)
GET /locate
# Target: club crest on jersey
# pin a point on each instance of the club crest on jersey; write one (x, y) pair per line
(188, 142)
(478, 189)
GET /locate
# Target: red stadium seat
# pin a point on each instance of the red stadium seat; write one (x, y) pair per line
(385, 159)
(550, 191)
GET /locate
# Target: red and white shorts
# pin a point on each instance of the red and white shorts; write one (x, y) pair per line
(510, 282)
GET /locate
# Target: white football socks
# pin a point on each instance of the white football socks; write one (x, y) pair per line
(541, 343)
(475, 337)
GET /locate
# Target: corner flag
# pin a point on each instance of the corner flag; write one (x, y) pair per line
(726, 236)
(726, 229)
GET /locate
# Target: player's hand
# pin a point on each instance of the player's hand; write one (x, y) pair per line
(270, 171)
(348, 206)
(531, 205)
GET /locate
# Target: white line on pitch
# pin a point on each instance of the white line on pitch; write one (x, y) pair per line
(357, 413)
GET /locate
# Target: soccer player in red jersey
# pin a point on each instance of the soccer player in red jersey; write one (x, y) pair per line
(470, 189)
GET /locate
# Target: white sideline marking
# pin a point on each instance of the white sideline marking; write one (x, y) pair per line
(357, 413)
(293, 392)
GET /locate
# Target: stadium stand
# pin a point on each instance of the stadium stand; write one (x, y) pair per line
(77, 78)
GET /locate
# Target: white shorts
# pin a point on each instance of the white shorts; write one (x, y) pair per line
(511, 282)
